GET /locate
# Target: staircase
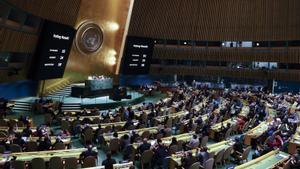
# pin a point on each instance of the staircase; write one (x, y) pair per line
(71, 106)
(60, 94)
(22, 106)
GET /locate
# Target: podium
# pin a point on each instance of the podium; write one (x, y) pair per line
(93, 87)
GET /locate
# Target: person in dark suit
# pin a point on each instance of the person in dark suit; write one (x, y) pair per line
(45, 144)
(89, 152)
(237, 148)
(108, 163)
(27, 132)
(145, 146)
(295, 161)
(160, 153)
(188, 160)
(203, 155)
(18, 140)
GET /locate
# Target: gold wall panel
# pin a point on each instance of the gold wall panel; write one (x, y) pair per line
(111, 16)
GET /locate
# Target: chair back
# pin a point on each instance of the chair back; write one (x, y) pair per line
(219, 156)
(246, 126)
(2, 149)
(180, 145)
(88, 134)
(228, 132)
(59, 146)
(20, 124)
(18, 164)
(173, 149)
(117, 119)
(71, 163)
(89, 162)
(96, 120)
(181, 129)
(114, 145)
(169, 123)
(32, 146)
(48, 119)
(3, 123)
(146, 156)
(38, 163)
(15, 148)
(146, 134)
(3, 135)
(159, 136)
(211, 154)
(56, 163)
(227, 153)
(12, 123)
(209, 164)
(65, 125)
(172, 164)
(204, 141)
(246, 153)
(196, 165)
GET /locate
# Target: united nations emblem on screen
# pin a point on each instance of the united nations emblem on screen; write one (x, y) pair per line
(89, 38)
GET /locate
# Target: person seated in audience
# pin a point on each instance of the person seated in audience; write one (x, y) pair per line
(259, 151)
(223, 130)
(95, 111)
(128, 124)
(295, 160)
(237, 148)
(11, 131)
(19, 140)
(173, 142)
(240, 123)
(115, 135)
(86, 120)
(84, 112)
(160, 153)
(24, 120)
(145, 146)
(125, 141)
(42, 130)
(109, 162)
(133, 136)
(203, 155)
(57, 141)
(27, 132)
(105, 115)
(89, 152)
(194, 142)
(275, 142)
(64, 133)
(45, 144)
(188, 160)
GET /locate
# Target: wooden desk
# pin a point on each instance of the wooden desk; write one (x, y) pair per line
(46, 155)
(66, 140)
(19, 129)
(256, 132)
(216, 128)
(213, 148)
(115, 166)
(103, 125)
(179, 114)
(167, 140)
(294, 142)
(267, 161)
(16, 120)
(152, 130)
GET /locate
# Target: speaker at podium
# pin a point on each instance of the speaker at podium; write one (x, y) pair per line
(119, 93)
